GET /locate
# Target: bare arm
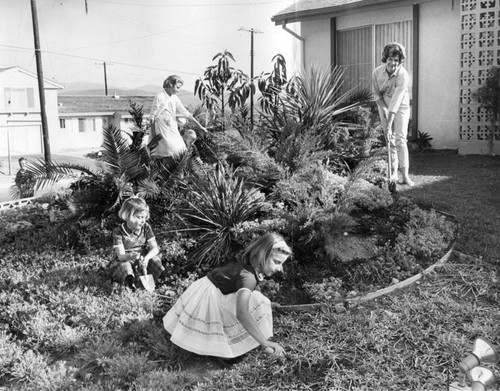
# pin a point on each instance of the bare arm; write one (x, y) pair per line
(191, 117)
(243, 315)
(123, 256)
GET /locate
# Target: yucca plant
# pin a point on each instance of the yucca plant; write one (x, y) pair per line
(312, 107)
(219, 203)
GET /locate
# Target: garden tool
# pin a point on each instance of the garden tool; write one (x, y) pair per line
(392, 182)
(147, 280)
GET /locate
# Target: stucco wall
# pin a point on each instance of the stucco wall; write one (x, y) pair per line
(439, 79)
(317, 43)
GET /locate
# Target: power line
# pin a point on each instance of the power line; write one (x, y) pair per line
(108, 62)
(194, 5)
(121, 19)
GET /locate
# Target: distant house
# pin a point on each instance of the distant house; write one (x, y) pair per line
(451, 45)
(81, 118)
(20, 118)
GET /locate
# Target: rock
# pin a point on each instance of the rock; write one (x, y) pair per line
(346, 248)
(340, 308)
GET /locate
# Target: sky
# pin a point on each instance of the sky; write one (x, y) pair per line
(141, 41)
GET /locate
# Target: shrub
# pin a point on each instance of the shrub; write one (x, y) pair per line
(329, 290)
(217, 204)
(311, 186)
(426, 236)
(363, 195)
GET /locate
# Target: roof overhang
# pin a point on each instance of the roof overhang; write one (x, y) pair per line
(303, 10)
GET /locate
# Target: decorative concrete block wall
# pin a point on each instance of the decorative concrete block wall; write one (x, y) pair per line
(480, 51)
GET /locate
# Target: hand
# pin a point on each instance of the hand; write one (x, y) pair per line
(134, 256)
(143, 262)
(274, 349)
(388, 132)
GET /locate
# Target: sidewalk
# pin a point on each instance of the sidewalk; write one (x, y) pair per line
(71, 157)
(6, 181)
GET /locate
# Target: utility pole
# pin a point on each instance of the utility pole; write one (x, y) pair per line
(252, 31)
(105, 76)
(41, 88)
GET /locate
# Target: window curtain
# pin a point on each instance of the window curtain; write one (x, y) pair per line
(355, 55)
(359, 50)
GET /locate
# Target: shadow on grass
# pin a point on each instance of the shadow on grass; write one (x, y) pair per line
(467, 187)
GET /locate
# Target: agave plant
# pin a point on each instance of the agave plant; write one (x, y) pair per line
(219, 203)
(305, 118)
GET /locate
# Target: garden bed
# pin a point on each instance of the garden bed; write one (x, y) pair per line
(406, 242)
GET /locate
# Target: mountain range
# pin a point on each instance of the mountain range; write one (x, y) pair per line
(85, 88)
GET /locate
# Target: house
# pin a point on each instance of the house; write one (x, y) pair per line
(81, 118)
(20, 118)
(451, 45)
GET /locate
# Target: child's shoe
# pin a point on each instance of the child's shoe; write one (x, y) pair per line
(129, 283)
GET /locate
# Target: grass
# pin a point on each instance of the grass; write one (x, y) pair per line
(467, 187)
(64, 326)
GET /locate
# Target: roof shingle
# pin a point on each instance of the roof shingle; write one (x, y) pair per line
(305, 8)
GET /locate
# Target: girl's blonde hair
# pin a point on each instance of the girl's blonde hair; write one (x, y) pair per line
(132, 206)
(259, 251)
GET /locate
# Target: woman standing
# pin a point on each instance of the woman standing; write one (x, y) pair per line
(391, 89)
(167, 109)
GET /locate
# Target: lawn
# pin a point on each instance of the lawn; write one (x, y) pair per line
(64, 326)
(467, 187)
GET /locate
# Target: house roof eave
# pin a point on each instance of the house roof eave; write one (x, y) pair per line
(294, 16)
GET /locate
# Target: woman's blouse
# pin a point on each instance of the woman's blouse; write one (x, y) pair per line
(394, 89)
(233, 277)
(165, 111)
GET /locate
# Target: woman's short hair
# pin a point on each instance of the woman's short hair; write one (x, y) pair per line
(172, 80)
(394, 49)
(132, 206)
(259, 251)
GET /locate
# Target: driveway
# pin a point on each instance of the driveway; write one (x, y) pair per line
(7, 178)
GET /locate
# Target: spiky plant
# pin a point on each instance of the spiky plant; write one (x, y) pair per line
(219, 204)
(312, 107)
(125, 171)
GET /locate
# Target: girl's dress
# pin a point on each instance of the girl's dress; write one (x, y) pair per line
(203, 320)
(134, 242)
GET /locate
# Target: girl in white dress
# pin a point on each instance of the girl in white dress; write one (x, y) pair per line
(224, 314)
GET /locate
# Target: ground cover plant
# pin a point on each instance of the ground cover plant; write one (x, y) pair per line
(312, 169)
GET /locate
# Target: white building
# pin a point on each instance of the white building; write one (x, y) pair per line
(451, 45)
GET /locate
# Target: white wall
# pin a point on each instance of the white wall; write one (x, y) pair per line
(317, 43)
(439, 81)
(20, 128)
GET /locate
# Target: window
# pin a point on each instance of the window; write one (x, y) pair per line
(355, 55)
(86, 125)
(81, 125)
(62, 123)
(19, 98)
(359, 50)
